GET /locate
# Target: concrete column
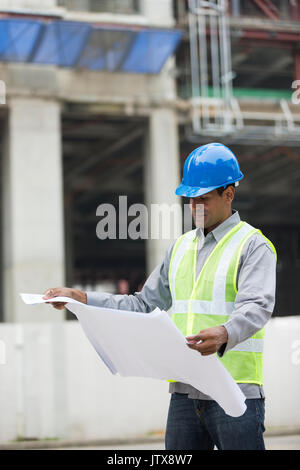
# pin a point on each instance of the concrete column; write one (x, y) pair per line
(33, 242)
(162, 168)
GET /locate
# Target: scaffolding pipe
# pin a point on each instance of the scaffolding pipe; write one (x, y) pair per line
(226, 73)
(203, 66)
(235, 8)
(214, 56)
(194, 61)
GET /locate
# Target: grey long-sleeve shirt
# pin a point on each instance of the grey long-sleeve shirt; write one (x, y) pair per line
(254, 303)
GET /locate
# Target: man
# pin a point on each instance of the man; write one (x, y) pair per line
(220, 285)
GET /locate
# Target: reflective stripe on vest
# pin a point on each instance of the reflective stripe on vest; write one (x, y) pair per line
(209, 300)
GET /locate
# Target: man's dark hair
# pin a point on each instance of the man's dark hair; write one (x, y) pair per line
(222, 189)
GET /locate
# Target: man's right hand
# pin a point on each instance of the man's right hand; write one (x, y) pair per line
(64, 292)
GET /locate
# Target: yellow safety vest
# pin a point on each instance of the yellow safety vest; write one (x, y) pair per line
(207, 301)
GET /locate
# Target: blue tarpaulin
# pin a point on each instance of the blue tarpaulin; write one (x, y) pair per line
(76, 44)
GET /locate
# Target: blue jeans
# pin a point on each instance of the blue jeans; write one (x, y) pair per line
(203, 424)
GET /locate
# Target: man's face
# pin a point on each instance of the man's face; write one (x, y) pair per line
(211, 209)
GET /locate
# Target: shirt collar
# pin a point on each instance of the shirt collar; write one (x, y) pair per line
(221, 230)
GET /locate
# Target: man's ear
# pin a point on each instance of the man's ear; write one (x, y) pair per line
(229, 193)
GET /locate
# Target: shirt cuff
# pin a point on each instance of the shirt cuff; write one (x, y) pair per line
(231, 341)
(97, 299)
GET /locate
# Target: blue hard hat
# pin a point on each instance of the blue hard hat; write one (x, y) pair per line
(207, 168)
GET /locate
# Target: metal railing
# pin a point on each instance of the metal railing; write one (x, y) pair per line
(281, 10)
(213, 49)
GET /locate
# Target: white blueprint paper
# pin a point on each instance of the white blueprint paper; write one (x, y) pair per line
(32, 299)
(136, 344)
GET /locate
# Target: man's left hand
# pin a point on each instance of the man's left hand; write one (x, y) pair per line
(208, 341)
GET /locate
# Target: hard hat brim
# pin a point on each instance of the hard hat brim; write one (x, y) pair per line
(193, 191)
(196, 191)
